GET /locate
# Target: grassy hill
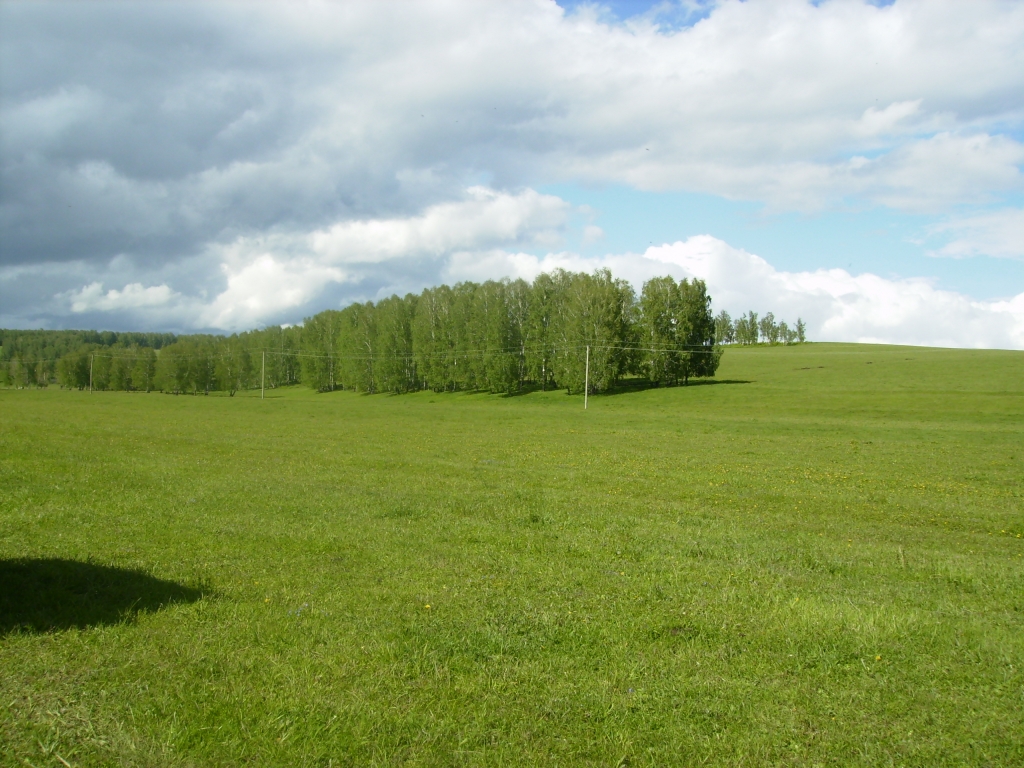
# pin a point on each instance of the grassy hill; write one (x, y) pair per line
(816, 560)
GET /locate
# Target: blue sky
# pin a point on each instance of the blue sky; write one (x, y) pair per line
(217, 166)
(668, 14)
(858, 238)
(879, 240)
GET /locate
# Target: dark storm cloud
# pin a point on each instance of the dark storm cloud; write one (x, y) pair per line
(151, 129)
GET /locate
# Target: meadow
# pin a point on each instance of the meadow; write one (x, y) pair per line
(815, 560)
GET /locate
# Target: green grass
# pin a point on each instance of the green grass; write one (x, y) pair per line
(820, 562)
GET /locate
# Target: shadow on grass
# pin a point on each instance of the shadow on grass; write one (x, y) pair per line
(49, 594)
(626, 386)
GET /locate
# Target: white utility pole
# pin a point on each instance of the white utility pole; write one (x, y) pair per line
(91, 358)
(263, 376)
(586, 380)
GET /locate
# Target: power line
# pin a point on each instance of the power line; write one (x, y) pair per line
(447, 353)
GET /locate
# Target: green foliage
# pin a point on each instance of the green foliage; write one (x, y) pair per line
(494, 339)
(396, 369)
(593, 311)
(663, 330)
(73, 369)
(678, 331)
(749, 330)
(519, 306)
(233, 367)
(811, 561)
(768, 329)
(189, 365)
(434, 339)
(697, 330)
(31, 358)
(321, 337)
(144, 371)
(359, 349)
(174, 368)
(725, 331)
(498, 336)
(281, 346)
(541, 319)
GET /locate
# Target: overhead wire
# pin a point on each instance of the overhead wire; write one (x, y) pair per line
(449, 353)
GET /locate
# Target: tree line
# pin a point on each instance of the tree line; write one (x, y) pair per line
(146, 361)
(559, 331)
(748, 329)
(31, 358)
(190, 364)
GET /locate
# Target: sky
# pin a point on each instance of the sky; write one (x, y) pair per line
(221, 166)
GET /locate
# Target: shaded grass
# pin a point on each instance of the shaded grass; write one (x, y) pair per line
(823, 566)
(43, 595)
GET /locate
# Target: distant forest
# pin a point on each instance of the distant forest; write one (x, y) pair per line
(497, 336)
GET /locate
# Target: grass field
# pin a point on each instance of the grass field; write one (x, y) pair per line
(817, 560)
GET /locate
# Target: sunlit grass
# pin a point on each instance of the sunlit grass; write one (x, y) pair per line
(819, 562)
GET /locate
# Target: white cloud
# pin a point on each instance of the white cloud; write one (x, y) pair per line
(887, 120)
(485, 218)
(264, 285)
(316, 156)
(270, 274)
(278, 274)
(349, 111)
(836, 305)
(133, 296)
(918, 177)
(1000, 234)
(785, 102)
(592, 234)
(839, 306)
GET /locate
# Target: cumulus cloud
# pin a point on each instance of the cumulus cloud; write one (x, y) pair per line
(837, 305)
(263, 287)
(485, 218)
(159, 128)
(284, 276)
(268, 275)
(133, 296)
(245, 161)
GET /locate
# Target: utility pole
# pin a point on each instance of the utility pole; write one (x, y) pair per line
(586, 380)
(91, 358)
(263, 376)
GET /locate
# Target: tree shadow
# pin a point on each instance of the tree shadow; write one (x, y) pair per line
(627, 386)
(713, 382)
(527, 388)
(45, 595)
